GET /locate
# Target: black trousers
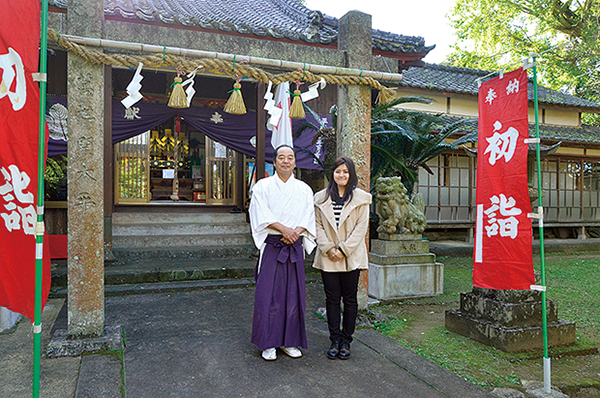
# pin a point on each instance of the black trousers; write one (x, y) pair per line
(340, 285)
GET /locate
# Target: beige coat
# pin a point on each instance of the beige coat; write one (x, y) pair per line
(349, 237)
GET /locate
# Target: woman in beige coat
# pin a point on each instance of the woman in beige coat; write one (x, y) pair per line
(342, 218)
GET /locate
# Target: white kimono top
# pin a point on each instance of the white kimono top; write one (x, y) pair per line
(289, 203)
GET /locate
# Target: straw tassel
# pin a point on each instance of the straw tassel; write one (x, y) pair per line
(385, 95)
(178, 98)
(235, 104)
(297, 108)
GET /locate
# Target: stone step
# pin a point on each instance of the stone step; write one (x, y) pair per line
(155, 267)
(141, 229)
(178, 218)
(173, 241)
(171, 256)
(163, 287)
(157, 271)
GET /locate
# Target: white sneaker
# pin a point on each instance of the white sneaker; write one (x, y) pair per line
(292, 352)
(270, 354)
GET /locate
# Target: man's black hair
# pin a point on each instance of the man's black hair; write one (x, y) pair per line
(283, 146)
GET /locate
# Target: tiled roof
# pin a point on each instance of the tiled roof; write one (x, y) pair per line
(279, 19)
(583, 134)
(463, 81)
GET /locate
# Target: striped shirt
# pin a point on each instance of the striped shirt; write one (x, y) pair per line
(337, 211)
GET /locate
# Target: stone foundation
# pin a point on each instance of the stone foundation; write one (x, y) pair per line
(510, 320)
(61, 345)
(401, 266)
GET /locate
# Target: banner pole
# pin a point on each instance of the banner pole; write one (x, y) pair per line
(547, 383)
(39, 228)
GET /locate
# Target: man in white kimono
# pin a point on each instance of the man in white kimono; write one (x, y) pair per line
(283, 224)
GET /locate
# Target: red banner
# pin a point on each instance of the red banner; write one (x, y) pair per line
(19, 132)
(502, 255)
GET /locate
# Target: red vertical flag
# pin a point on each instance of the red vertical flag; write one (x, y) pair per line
(19, 134)
(502, 255)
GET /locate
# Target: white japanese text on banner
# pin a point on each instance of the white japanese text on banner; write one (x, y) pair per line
(503, 236)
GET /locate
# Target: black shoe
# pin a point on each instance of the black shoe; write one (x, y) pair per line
(333, 350)
(344, 350)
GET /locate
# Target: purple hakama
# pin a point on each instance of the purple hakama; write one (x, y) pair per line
(280, 298)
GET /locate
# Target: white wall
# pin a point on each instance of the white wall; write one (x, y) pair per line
(559, 117)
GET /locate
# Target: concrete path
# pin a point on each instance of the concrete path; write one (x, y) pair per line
(197, 344)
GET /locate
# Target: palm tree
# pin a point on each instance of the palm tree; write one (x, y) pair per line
(402, 141)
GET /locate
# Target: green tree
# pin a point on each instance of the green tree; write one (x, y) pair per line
(496, 34)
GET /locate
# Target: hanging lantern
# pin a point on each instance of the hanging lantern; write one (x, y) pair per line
(235, 104)
(178, 99)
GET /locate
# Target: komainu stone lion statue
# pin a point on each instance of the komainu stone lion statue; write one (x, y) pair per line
(398, 215)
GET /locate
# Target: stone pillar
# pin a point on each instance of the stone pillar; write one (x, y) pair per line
(354, 110)
(85, 91)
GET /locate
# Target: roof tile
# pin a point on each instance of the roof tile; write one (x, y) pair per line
(583, 134)
(280, 19)
(463, 81)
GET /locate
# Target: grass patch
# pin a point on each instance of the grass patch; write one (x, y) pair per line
(572, 280)
(574, 283)
(393, 328)
(475, 362)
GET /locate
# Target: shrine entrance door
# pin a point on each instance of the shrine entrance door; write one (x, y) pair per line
(220, 174)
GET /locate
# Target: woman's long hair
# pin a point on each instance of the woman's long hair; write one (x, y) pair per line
(332, 188)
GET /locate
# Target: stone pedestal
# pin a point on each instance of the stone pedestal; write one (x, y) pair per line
(61, 345)
(510, 320)
(8, 319)
(401, 266)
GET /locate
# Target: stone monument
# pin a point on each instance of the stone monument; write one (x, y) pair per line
(400, 264)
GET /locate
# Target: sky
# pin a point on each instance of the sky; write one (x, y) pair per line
(425, 18)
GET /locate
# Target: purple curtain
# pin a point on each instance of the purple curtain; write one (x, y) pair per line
(234, 131)
(139, 118)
